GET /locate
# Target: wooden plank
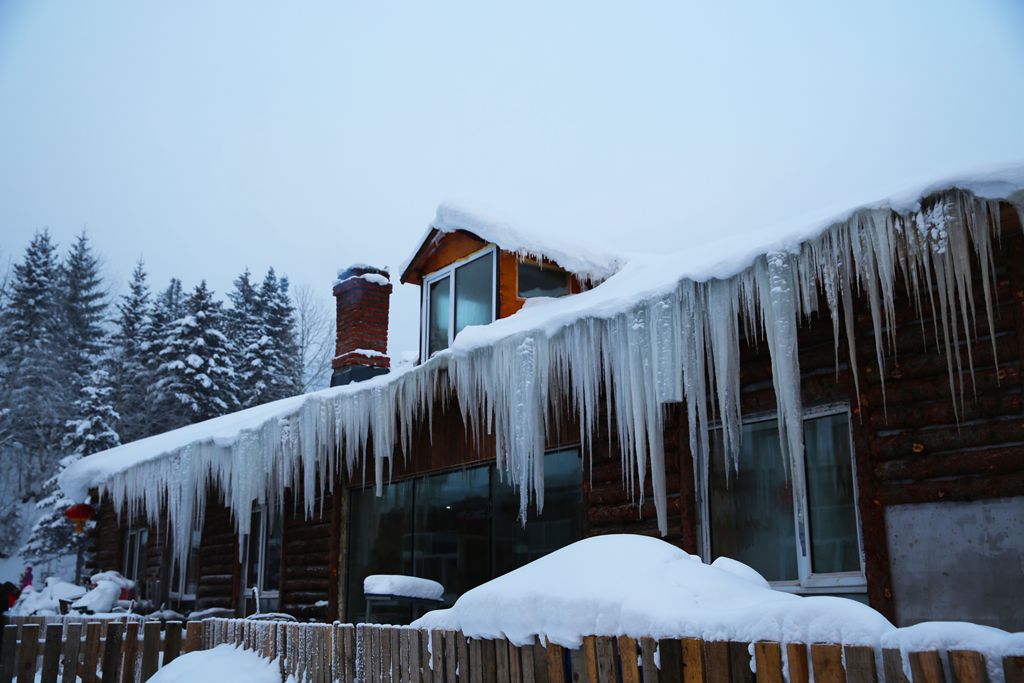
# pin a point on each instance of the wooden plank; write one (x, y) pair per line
(926, 667)
(387, 654)
(540, 664)
(693, 660)
(462, 648)
(671, 655)
(27, 651)
(488, 665)
(150, 650)
(526, 664)
(967, 666)
(426, 674)
(348, 637)
(739, 663)
(10, 649)
(51, 653)
(476, 672)
(590, 659)
(555, 655)
(451, 656)
(172, 641)
(515, 664)
(193, 636)
(860, 664)
(415, 673)
(91, 657)
(892, 662)
(627, 661)
(130, 648)
(1013, 667)
(796, 662)
(649, 670)
(768, 659)
(606, 669)
(716, 661)
(69, 656)
(503, 673)
(112, 654)
(827, 663)
(437, 656)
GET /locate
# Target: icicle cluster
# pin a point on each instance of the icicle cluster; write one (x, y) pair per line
(680, 345)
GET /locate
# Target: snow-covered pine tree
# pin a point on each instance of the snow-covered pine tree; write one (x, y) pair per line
(245, 327)
(284, 355)
(161, 410)
(85, 308)
(90, 430)
(35, 383)
(129, 374)
(196, 366)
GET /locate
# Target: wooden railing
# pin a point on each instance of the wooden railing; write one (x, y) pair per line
(126, 651)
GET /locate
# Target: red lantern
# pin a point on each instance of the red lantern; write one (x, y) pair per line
(80, 514)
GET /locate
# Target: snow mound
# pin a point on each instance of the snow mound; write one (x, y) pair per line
(640, 586)
(222, 663)
(403, 586)
(46, 602)
(104, 597)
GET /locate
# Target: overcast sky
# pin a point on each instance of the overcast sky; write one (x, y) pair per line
(208, 137)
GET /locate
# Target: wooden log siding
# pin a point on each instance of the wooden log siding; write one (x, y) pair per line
(219, 573)
(105, 542)
(309, 561)
(132, 652)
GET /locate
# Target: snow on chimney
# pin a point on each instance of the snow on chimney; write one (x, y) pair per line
(360, 352)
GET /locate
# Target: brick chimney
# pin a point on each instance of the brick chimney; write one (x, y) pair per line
(360, 352)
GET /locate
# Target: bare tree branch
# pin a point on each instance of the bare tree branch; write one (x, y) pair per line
(315, 322)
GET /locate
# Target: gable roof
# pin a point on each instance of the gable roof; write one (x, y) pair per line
(592, 265)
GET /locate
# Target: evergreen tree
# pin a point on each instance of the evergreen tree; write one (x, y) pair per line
(161, 410)
(129, 373)
(196, 366)
(35, 383)
(85, 307)
(283, 356)
(245, 327)
(91, 430)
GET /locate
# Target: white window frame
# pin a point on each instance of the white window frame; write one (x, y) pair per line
(441, 274)
(807, 582)
(136, 538)
(177, 592)
(260, 560)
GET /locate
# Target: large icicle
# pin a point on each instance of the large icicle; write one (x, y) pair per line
(676, 339)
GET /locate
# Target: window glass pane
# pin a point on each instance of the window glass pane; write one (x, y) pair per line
(252, 553)
(272, 555)
(130, 549)
(752, 510)
(452, 530)
(380, 543)
(474, 293)
(560, 524)
(437, 325)
(535, 280)
(830, 505)
(192, 569)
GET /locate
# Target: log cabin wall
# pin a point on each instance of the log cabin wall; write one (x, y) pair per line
(219, 573)
(105, 543)
(309, 558)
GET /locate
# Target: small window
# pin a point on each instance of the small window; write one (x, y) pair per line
(263, 561)
(535, 280)
(185, 580)
(456, 297)
(808, 542)
(134, 565)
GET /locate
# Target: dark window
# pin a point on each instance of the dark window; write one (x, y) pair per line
(457, 296)
(755, 513)
(438, 325)
(458, 528)
(474, 293)
(537, 280)
(263, 561)
(134, 565)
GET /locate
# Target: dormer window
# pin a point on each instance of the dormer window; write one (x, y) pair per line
(457, 296)
(536, 280)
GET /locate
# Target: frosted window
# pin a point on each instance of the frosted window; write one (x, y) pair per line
(831, 500)
(474, 293)
(752, 509)
(535, 280)
(263, 561)
(437, 325)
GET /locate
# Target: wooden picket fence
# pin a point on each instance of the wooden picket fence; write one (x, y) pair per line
(126, 651)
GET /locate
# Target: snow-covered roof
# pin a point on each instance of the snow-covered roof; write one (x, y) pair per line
(583, 261)
(662, 328)
(624, 584)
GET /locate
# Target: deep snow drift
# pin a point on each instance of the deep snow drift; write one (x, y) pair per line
(219, 665)
(639, 586)
(663, 328)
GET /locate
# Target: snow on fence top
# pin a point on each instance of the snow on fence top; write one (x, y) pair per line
(664, 328)
(584, 262)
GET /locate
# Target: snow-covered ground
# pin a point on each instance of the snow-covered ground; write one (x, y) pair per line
(219, 665)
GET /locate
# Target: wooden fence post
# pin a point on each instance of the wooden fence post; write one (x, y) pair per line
(9, 652)
(926, 667)
(827, 663)
(72, 645)
(768, 657)
(51, 653)
(112, 654)
(860, 664)
(27, 653)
